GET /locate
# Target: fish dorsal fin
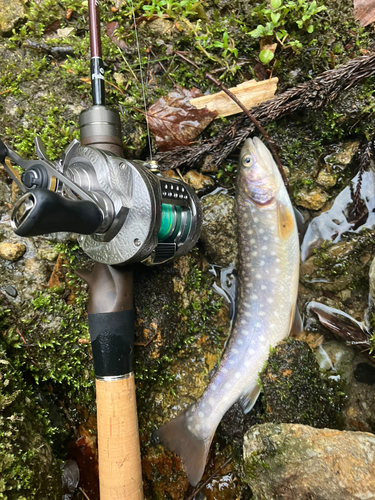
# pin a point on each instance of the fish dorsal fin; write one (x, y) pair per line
(285, 219)
(296, 323)
(248, 400)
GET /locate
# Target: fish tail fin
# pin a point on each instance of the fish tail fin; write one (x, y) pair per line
(176, 436)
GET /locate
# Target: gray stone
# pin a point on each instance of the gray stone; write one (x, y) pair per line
(297, 462)
(11, 11)
(219, 231)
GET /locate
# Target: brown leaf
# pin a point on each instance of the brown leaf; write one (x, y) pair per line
(110, 30)
(364, 11)
(174, 121)
(53, 27)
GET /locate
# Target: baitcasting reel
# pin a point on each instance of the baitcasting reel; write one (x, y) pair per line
(124, 211)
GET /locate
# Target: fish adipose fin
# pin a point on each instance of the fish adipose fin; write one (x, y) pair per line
(248, 400)
(193, 451)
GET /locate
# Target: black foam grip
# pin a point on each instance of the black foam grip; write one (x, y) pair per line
(52, 213)
(112, 340)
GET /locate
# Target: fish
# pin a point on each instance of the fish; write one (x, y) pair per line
(268, 276)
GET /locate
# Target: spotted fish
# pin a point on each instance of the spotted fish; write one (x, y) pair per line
(266, 305)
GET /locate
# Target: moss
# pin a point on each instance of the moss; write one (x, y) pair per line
(295, 391)
(27, 466)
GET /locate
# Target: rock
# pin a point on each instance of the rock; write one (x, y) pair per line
(297, 462)
(11, 291)
(338, 267)
(12, 251)
(219, 230)
(198, 181)
(365, 373)
(313, 200)
(326, 180)
(159, 27)
(47, 252)
(10, 12)
(295, 391)
(341, 159)
(336, 360)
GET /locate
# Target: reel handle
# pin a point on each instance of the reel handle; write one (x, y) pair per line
(41, 211)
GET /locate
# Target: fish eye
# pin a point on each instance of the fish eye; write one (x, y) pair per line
(247, 161)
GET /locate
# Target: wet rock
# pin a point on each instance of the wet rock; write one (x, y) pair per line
(336, 360)
(339, 266)
(365, 373)
(12, 251)
(298, 462)
(341, 159)
(47, 252)
(313, 200)
(198, 181)
(10, 12)
(219, 231)
(294, 390)
(326, 180)
(27, 466)
(11, 291)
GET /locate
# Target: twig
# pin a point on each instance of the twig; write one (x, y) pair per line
(26, 345)
(209, 479)
(84, 493)
(270, 141)
(163, 68)
(145, 344)
(313, 94)
(186, 59)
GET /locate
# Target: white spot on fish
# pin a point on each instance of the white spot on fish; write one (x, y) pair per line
(231, 361)
(200, 414)
(264, 247)
(256, 219)
(254, 254)
(263, 287)
(262, 338)
(237, 375)
(251, 351)
(224, 370)
(261, 231)
(253, 240)
(265, 238)
(239, 341)
(254, 296)
(197, 427)
(247, 362)
(250, 232)
(262, 313)
(272, 325)
(213, 388)
(243, 322)
(258, 276)
(212, 401)
(278, 260)
(273, 253)
(261, 263)
(247, 314)
(258, 325)
(269, 300)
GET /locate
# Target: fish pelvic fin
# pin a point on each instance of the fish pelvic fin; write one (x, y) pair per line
(176, 436)
(248, 400)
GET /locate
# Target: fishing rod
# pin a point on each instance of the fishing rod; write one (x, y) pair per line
(124, 211)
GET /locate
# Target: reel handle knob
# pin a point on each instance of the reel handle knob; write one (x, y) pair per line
(41, 211)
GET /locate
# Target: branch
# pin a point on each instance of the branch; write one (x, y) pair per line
(313, 94)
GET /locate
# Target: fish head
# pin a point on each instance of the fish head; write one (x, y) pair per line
(258, 178)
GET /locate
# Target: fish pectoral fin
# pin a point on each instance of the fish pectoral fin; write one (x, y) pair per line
(176, 436)
(286, 220)
(296, 323)
(248, 400)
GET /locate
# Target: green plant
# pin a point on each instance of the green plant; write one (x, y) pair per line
(278, 20)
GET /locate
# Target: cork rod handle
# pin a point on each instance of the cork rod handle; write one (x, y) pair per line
(118, 440)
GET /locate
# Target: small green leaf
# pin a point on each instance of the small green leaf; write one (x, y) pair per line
(258, 32)
(310, 28)
(275, 16)
(266, 56)
(275, 4)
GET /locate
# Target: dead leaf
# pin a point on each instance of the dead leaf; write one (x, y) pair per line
(53, 27)
(175, 122)
(364, 11)
(110, 30)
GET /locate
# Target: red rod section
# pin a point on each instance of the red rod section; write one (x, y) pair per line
(94, 26)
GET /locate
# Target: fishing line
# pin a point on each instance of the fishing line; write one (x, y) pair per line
(141, 72)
